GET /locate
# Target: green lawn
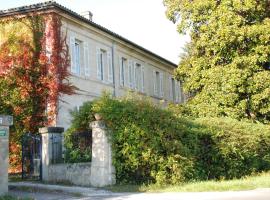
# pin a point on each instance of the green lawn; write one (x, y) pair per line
(7, 197)
(248, 183)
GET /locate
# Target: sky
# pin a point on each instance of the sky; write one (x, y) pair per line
(141, 21)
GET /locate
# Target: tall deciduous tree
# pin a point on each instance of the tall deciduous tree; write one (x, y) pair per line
(227, 64)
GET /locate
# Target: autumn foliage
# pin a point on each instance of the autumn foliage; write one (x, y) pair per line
(34, 62)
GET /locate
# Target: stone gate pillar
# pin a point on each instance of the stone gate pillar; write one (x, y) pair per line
(102, 170)
(5, 122)
(51, 148)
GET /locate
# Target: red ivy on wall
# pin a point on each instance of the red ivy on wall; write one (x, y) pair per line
(34, 71)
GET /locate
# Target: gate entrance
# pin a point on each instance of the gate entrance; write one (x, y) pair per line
(31, 157)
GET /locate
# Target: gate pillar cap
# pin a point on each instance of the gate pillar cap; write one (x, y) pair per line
(6, 120)
(51, 129)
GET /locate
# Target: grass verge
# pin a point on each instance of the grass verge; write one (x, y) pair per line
(8, 197)
(248, 183)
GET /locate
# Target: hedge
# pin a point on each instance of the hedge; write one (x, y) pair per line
(154, 145)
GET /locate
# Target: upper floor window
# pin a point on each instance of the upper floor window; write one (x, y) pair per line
(158, 84)
(80, 57)
(136, 76)
(104, 61)
(76, 46)
(101, 55)
(123, 65)
(175, 90)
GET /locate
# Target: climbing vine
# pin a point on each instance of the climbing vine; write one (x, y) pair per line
(34, 73)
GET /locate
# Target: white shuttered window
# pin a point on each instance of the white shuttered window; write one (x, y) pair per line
(110, 67)
(161, 87)
(130, 74)
(100, 64)
(142, 73)
(122, 68)
(72, 54)
(86, 59)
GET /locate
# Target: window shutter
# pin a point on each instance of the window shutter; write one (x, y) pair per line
(133, 74)
(142, 78)
(170, 88)
(121, 81)
(86, 59)
(155, 83)
(72, 54)
(130, 74)
(161, 87)
(136, 76)
(99, 70)
(177, 92)
(110, 67)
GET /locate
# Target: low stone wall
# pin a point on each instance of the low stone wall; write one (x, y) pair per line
(75, 173)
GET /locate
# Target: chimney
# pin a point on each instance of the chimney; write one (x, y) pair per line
(87, 15)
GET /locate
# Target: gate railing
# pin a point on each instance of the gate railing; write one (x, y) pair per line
(31, 156)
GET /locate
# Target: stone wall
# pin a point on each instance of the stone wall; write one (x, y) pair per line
(3, 165)
(5, 122)
(99, 173)
(76, 173)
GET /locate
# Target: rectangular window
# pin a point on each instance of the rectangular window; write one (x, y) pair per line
(110, 67)
(156, 83)
(77, 56)
(101, 55)
(123, 64)
(138, 77)
(86, 59)
(173, 90)
(130, 74)
(76, 46)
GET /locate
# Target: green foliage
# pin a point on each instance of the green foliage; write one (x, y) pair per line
(78, 136)
(232, 149)
(146, 141)
(227, 63)
(153, 145)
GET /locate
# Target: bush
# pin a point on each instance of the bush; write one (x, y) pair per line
(78, 138)
(233, 149)
(153, 145)
(146, 141)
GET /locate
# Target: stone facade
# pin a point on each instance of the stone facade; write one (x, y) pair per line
(92, 87)
(77, 173)
(5, 122)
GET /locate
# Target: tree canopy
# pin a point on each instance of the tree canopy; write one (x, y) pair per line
(226, 67)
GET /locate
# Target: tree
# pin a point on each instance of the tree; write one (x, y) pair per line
(227, 64)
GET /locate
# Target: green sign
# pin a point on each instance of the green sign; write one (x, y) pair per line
(3, 133)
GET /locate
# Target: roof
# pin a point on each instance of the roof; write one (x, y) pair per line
(52, 4)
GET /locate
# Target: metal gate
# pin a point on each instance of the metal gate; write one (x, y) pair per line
(31, 157)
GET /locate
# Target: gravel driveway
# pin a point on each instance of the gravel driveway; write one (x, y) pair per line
(56, 192)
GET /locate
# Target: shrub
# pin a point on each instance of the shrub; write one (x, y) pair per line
(149, 144)
(153, 145)
(233, 149)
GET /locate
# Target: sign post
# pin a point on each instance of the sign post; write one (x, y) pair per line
(5, 122)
